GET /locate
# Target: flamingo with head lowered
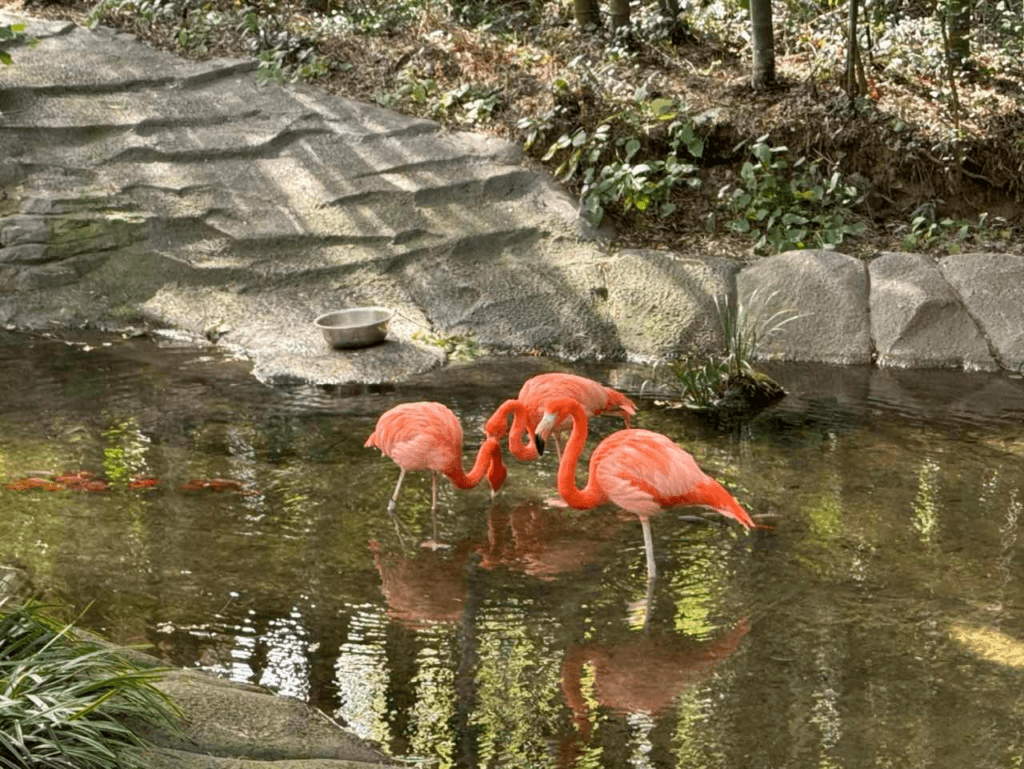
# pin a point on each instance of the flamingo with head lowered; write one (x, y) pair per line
(528, 408)
(428, 436)
(641, 471)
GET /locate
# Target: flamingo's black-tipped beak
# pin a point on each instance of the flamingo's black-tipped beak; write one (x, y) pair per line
(539, 443)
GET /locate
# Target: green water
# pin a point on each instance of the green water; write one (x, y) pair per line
(878, 623)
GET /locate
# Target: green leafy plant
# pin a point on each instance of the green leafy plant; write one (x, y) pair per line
(64, 703)
(927, 229)
(457, 346)
(608, 160)
(469, 104)
(785, 204)
(9, 32)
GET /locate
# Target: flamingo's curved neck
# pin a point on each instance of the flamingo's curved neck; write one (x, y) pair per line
(489, 452)
(522, 450)
(589, 496)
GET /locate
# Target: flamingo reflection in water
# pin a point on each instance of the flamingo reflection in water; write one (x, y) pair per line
(545, 543)
(429, 587)
(426, 589)
(642, 675)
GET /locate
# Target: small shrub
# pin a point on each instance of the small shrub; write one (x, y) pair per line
(729, 378)
(457, 346)
(746, 326)
(927, 230)
(63, 703)
(700, 381)
(466, 104)
(605, 160)
(9, 32)
(786, 204)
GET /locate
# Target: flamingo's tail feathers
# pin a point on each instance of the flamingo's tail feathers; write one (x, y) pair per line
(715, 496)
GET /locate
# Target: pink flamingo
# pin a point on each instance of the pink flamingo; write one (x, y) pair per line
(641, 471)
(428, 436)
(528, 408)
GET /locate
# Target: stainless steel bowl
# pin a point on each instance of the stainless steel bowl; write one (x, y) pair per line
(355, 327)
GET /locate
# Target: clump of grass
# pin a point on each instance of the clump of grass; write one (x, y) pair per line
(456, 346)
(745, 328)
(729, 379)
(65, 703)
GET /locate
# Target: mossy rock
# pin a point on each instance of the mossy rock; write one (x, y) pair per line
(749, 393)
(742, 396)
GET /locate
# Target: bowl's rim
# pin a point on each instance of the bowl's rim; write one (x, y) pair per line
(387, 311)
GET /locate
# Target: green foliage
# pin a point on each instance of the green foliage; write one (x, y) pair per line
(607, 159)
(468, 104)
(457, 346)
(142, 13)
(784, 204)
(746, 325)
(283, 54)
(699, 382)
(926, 231)
(63, 702)
(281, 65)
(362, 18)
(9, 32)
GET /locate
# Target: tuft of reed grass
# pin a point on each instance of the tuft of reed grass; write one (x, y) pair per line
(65, 703)
(704, 383)
(745, 328)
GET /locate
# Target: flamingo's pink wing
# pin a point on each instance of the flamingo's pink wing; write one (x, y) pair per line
(644, 472)
(419, 436)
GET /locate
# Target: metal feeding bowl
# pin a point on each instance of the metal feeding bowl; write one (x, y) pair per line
(355, 327)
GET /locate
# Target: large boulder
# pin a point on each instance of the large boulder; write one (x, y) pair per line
(991, 287)
(223, 718)
(918, 320)
(824, 294)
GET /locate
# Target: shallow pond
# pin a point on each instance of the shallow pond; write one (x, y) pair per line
(243, 530)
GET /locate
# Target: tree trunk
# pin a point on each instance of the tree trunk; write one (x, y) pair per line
(958, 18)
(762, 43)
(620, 14)
(852, 86)
(586, 12)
